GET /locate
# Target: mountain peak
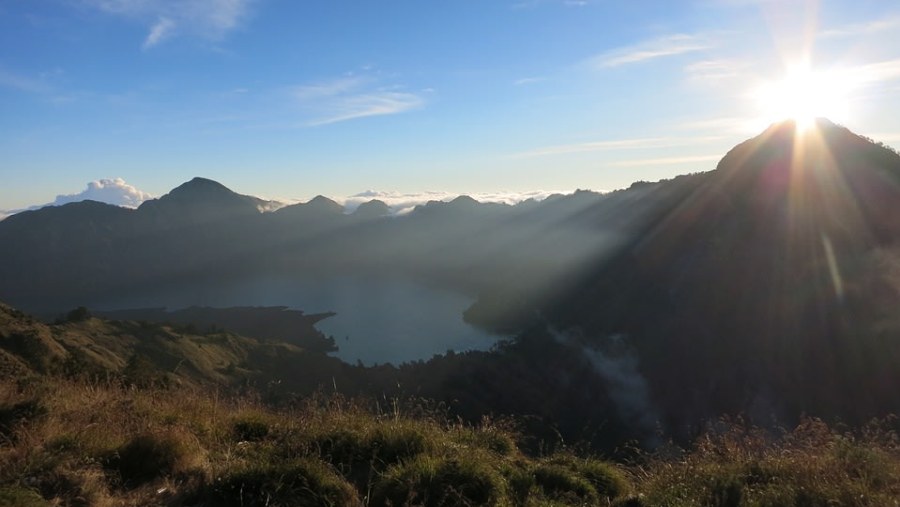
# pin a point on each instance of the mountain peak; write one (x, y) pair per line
(464, 200)
(198, 185)
(372, 209)
(321, 200)
(201, 200)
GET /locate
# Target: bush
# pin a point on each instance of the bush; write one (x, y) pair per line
(377, 447)
(150, 456)
(250, 429)
(605, 479)
(491, 439)
(301, 483)
(21, 497)
(12, 416)
(79, 314)
(562, 483)
(430, 481)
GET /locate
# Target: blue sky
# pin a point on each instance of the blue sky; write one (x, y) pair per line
(288, 99)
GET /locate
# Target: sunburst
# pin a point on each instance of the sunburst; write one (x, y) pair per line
(804, 94)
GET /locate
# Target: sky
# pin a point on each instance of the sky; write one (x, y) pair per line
(288, 99)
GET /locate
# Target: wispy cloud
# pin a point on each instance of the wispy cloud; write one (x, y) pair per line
(877, 72)
(531, 4)
(715, 71)
(528, 80)
(856, 29)
(161, 30)
(208, 19)
(617, 144)
(665, 160)
(724, 124)
(21, 82)
(352, 97)
(670, 45)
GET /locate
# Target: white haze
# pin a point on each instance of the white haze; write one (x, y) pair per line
(401, 203)
(617, 364)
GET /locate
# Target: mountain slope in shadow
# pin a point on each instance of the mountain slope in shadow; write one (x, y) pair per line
(770, 289)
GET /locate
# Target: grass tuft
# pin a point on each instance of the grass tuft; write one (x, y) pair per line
(302, 483)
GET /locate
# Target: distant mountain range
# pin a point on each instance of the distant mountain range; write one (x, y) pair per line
(768, 287)
(60, 257)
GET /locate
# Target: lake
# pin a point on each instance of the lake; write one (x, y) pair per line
(378, 319)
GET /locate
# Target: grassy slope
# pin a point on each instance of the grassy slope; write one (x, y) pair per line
(138, 353)
(65, 442)
(119, 413)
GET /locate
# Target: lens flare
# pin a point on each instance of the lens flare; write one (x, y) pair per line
(803, 95)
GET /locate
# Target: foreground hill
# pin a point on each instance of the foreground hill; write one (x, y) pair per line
(103, 444)
(178, 424)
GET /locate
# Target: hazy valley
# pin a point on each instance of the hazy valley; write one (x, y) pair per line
(765, 290)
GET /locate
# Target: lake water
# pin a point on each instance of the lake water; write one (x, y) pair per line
(378, 320)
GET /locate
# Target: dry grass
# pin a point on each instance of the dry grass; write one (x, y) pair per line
(65, 442)
(812, 465)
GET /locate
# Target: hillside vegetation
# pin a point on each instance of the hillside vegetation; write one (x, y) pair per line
(65, 442)
(96, 412)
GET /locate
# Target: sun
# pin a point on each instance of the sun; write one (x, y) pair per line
(803, 95)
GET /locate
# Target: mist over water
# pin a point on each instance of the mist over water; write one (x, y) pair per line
(378, 319)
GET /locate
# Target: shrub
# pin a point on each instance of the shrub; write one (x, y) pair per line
(79, 314)
(12, 416)
(250, 429)
(520, 482)
(606, 479)
(21, 497)
(301, 483)
(491, 439)
(445, 482)
(149, 456)
(377, 447)
(562, 483)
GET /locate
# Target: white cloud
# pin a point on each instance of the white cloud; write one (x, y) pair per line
(111, 191)
(161, 30)
(351, 97)
(208, 19)
(401, 203)
(670, 45)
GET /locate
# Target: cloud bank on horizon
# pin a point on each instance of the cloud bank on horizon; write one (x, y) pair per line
(118, 192)
(110, 191)
(404, 202)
